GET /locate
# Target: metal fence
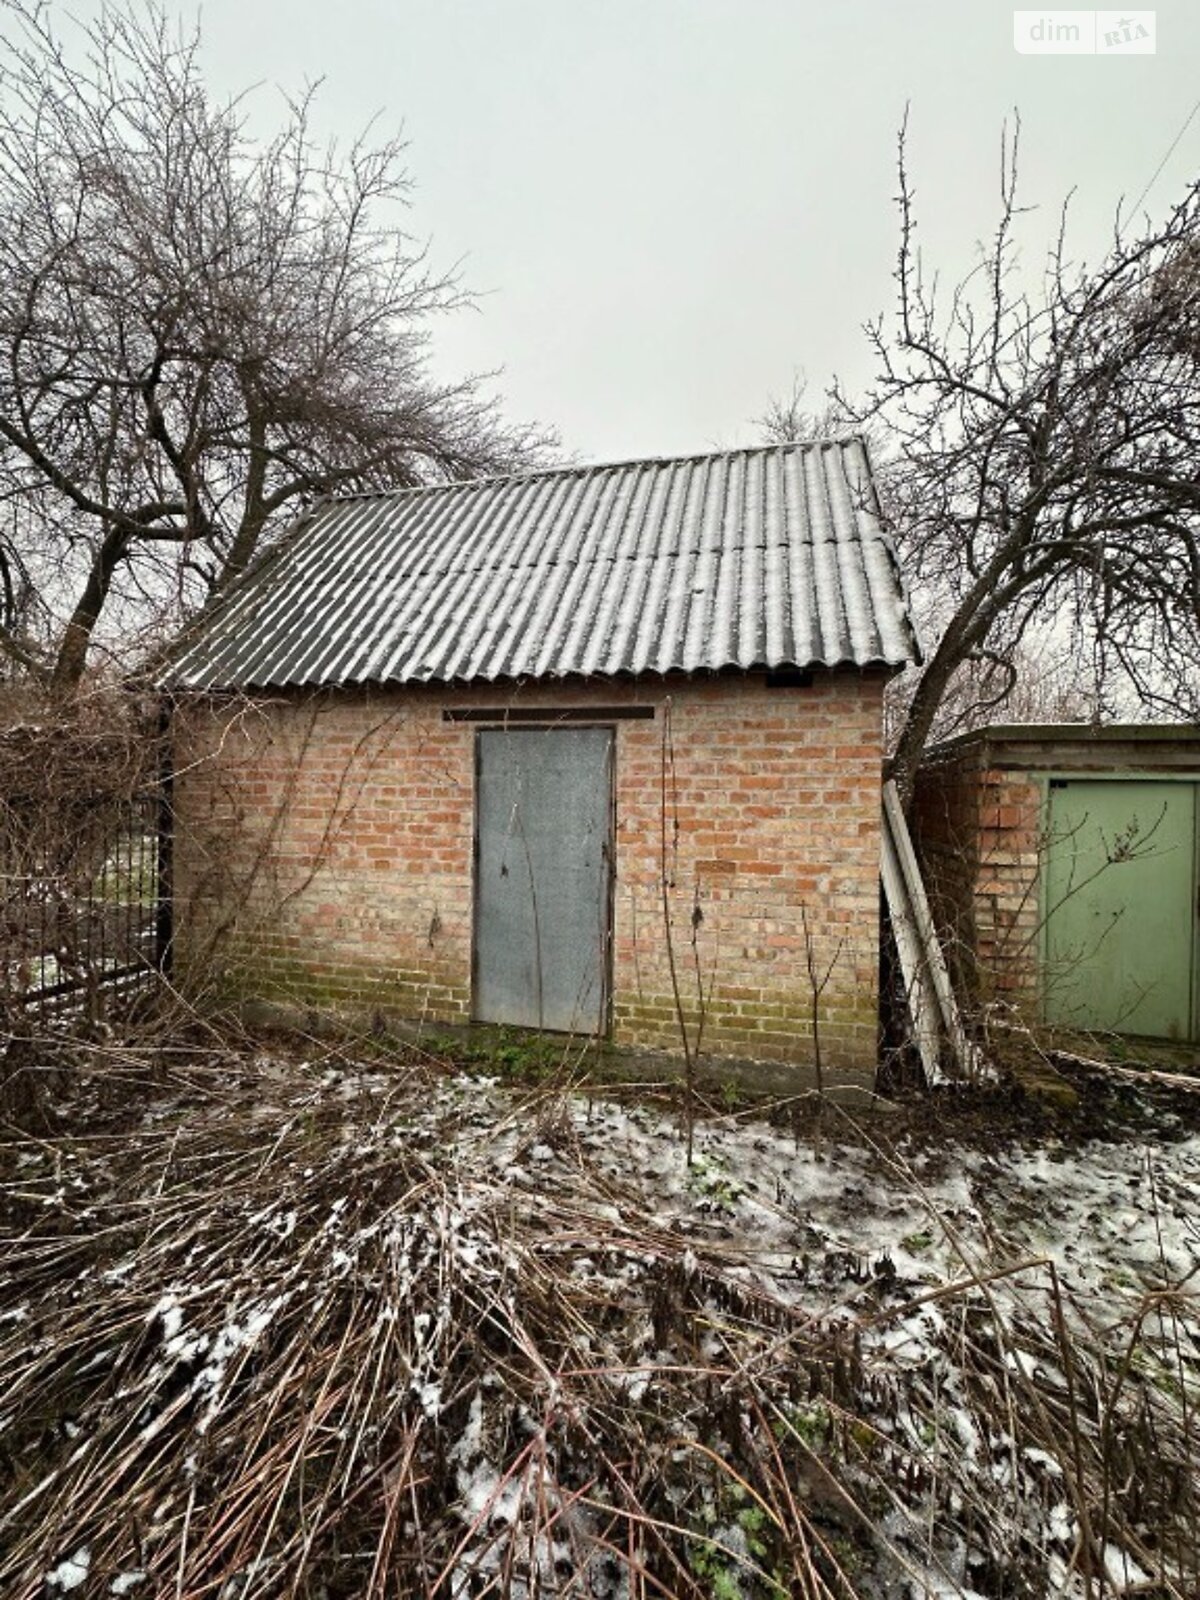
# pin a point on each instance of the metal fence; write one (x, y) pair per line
(85, 912)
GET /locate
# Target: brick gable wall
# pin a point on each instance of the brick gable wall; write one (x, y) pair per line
(325, 842)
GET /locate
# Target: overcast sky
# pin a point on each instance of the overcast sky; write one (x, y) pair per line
(669, 206)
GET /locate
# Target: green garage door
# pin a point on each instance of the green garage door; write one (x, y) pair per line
(1120, 907)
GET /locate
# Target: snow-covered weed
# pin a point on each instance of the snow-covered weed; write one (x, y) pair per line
(343, 1334)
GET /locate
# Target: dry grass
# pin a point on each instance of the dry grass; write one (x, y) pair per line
(320, 1331)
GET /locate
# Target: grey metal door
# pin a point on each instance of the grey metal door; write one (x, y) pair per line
(543, 857)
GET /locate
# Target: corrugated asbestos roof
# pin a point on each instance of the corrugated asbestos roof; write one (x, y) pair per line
(768, 558)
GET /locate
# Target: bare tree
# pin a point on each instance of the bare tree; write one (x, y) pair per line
(198, 332)
(1033, 680)
(1043, 451)
(789, 419)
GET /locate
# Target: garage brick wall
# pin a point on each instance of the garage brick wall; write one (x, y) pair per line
(978, 830)
(324, 850)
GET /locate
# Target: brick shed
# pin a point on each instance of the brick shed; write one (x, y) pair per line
(438, 753)
(1062, 866)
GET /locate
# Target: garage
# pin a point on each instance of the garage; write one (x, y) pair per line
(1062, 862)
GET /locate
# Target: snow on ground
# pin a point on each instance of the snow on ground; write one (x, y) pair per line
(946, 1263)
(863, 1224)
(1117, 1218)
(1104, 1223)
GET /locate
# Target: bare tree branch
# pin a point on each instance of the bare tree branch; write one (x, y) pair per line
(199, 331)
(1040, 458)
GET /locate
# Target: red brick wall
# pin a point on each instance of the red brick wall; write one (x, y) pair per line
(324, 849)
(978, 830)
